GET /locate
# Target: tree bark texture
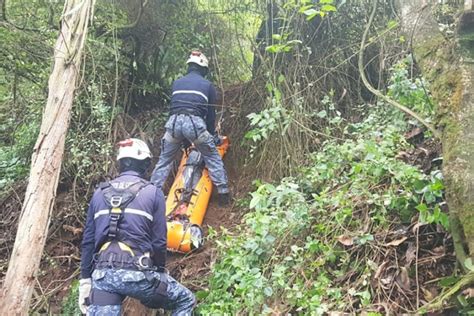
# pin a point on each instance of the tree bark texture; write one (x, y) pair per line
(448, 64)
(46, 160)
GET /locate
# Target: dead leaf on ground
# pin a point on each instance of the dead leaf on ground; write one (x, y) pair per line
(346, 240)
(416, 227)
(413, 133)
(429, 294)
(469, 293)
(402, 155)
(388, 280)
(380, 269)
(403, 279)
(72, 229)
(410, 254)
(396, 242)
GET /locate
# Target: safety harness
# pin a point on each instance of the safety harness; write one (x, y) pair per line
(187, 113)
(117, 200)
(116, 254)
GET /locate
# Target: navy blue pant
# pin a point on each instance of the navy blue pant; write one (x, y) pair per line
(132, 283)
(193, 128)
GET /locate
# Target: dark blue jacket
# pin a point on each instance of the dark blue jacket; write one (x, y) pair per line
(195, 95)
(142, 227)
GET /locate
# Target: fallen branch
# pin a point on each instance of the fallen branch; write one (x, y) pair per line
(437, 303)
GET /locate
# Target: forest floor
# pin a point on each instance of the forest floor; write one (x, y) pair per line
(59, 268)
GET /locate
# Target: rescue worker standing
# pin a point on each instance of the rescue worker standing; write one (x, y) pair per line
(192, 118)
(124, 243)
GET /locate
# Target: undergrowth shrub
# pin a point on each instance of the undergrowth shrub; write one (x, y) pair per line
(70, 306)
(287, 255)
(291, 253)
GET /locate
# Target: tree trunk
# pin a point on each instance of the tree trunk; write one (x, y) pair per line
(448, 64)
(46, 160)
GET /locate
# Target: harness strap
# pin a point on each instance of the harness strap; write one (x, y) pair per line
(174, 124)
(163, 286)
(187, 114)
(113, 224)
(117, 200)
(194, 127)
(160, 284)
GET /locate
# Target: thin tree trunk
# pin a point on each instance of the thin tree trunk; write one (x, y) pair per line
(46, 160)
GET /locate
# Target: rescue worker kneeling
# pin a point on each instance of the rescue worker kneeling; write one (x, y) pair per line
(124, 243)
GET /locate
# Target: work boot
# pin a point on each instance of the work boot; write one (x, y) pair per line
(224, 199)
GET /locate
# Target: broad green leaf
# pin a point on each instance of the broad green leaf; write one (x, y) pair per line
(276, 37)
(322, 114)
(328, 8)
(468, 264)
(448, 281)
(311, 12)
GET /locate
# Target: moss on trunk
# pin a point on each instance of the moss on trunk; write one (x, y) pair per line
(448, 65)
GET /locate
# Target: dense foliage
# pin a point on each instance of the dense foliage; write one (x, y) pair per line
(307, 236)
(347, 200)
(132, 56)
(307, 50)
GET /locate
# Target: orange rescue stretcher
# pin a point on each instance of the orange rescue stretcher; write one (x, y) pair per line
(188, 199)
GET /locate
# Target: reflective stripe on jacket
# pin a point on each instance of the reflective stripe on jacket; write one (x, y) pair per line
(192, 94)
(142, 225)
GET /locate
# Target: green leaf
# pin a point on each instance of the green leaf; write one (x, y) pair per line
(310, 17)
(322, 114)
(200, 295)
(391, 24)
(276, 37)
(272, 49)
(304, 8)
(448, 281)
(422, 207)
(462, 300)
(255, 201)
(268, 291)
(310, 12)
(468, 264)
(328, 8)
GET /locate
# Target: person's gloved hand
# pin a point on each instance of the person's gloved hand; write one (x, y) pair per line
(217, 139)
(85, 286)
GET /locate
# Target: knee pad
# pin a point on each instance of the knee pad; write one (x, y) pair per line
(159, 296)
(103, 298)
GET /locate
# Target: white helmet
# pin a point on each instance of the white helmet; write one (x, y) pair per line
(198, 58)
(133, 148)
